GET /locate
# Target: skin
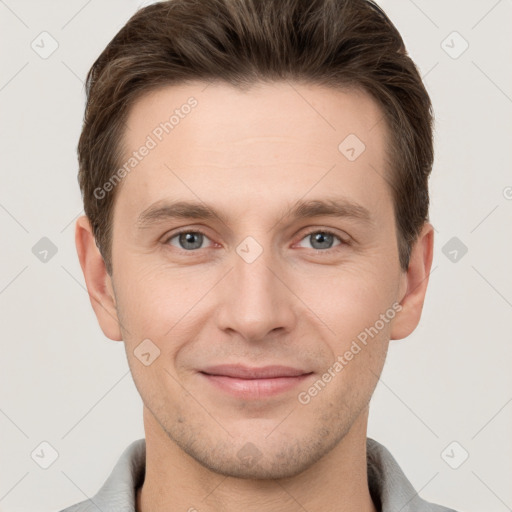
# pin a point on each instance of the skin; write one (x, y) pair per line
(251, 155)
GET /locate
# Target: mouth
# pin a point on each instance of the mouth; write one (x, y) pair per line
(254, 383)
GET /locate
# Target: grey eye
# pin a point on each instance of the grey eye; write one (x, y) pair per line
(321, 240)
(188, 240)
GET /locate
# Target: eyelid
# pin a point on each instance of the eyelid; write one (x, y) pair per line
(168, 237)
(329, 231)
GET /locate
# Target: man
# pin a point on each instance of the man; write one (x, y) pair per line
(255, 183)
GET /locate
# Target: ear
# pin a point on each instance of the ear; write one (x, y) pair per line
(413, 286)
(98, 281)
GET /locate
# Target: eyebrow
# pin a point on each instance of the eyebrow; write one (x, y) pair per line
(337, 208)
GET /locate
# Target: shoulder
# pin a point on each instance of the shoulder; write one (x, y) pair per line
(389, 486)
(118, 492)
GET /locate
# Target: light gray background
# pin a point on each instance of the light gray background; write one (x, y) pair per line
(63, 382)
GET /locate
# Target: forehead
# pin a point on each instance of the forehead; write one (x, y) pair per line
(254, 142)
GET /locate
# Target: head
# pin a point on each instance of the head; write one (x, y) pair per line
(303, 134)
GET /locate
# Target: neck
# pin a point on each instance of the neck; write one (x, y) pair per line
(338, 482)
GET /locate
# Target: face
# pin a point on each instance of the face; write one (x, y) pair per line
(256, 288)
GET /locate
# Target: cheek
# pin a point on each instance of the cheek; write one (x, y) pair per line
(360, 313)
(350, 299)
(153, 300)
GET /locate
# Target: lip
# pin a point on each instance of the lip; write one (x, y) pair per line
(254, 382)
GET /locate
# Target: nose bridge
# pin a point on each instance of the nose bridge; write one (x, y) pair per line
(255, 301)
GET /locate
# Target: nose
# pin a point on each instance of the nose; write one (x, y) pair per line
(255, 300)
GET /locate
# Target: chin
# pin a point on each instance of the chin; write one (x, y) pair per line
(270, 460)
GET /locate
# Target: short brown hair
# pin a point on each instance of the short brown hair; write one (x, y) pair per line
(338, 43)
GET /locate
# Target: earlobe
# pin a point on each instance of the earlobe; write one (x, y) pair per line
(415, 282)
(98, 282)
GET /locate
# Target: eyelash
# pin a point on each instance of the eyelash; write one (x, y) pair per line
(325, 231)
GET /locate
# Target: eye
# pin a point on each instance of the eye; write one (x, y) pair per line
(323, 239)
(191, 240)
(188, 240)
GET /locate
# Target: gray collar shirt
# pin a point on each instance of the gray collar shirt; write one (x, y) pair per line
(390, 490)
